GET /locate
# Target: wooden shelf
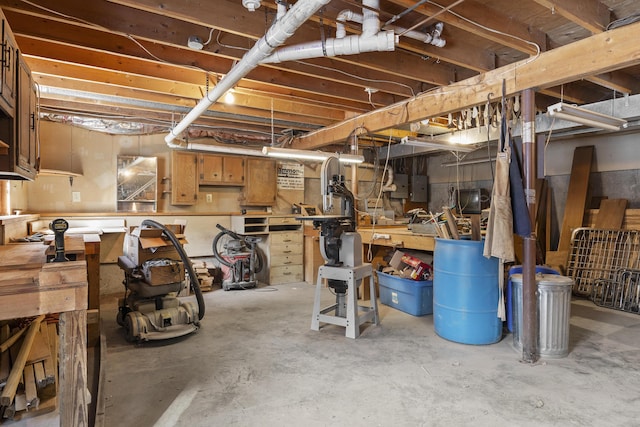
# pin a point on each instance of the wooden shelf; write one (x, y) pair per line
(55, 172)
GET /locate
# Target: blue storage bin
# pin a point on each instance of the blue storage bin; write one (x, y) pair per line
(517, 269)
(411, 296)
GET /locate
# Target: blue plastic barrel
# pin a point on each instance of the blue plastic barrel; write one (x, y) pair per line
(517, 269)
(465, 293)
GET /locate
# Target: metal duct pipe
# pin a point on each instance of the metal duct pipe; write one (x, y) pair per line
(371, 40)
(276, 35)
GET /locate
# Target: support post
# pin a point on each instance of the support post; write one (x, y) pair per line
(529, 286)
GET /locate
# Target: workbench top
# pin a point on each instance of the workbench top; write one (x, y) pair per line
(398, 237)
(30, 286)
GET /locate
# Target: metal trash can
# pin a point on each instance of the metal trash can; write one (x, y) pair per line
(554, 310)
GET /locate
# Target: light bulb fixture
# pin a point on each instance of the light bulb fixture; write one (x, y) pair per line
(319, 156)
(251, 5)
(436, 145)
(229, 97)
(576, 114)
(195, 43)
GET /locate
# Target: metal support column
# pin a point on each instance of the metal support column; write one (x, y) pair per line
(529, 287)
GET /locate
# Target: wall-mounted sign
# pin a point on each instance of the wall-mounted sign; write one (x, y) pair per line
(290, 176)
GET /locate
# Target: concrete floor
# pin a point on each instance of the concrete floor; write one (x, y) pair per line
(255, 362)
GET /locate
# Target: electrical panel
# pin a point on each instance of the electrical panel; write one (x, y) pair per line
(419, 188)
(402, 183)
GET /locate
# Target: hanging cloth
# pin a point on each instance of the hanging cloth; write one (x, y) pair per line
(499, 237)
(521, 221)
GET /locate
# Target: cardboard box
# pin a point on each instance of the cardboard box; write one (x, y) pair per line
(143, 244)
(163, 271)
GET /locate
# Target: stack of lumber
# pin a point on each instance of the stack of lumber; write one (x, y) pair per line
(205, 275)
(28, 368)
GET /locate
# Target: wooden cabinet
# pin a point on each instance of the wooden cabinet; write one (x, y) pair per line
(285, 257)
(8, 73)
(26, 121)
(18, 115)
(220, 170)
(184, 178)
(260, 189)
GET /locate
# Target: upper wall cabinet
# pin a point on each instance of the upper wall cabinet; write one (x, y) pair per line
(26, 121)
(18, 112)
(261, 183)
(220, 170)
(184, 179)
(8, 74)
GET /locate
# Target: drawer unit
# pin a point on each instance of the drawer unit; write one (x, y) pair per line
(282, 243)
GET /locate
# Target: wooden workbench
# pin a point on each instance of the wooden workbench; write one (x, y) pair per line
(399, 237)
(29, 286)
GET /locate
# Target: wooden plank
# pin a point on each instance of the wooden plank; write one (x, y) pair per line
(615, 49)
(61, 273)
(611, 214)
(40, 377)
(30, 389)
(74, 401)
(49, 369)
(22, 255)
(4, 356)
(9, 391)
(7, 343)
(576, 195)
(452, 225)
(35, 303)
(39, 349)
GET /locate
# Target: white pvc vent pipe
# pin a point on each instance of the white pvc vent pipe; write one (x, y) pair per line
(276, 35)
(371, 40)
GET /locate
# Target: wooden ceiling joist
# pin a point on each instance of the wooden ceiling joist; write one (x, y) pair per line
(615, 49)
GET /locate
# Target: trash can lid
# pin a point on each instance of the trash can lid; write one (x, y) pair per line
(543, 279)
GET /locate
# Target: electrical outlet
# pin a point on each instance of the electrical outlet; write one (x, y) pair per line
(75, 196)
(209, 198)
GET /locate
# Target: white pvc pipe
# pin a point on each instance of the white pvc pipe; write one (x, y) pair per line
(370, 23)
(276, 35)
(371, 39)
(433, 37)
(350, 45)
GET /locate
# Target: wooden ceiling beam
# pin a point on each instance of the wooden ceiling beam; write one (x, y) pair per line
(164, 86)
(508, 31)
(592, 15)
(126, 94)
(615, 49)
(97, 42)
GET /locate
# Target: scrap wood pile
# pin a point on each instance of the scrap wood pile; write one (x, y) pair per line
(208, 275)
(28, 367)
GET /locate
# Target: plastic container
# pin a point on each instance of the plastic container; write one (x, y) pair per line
(411, 296)
(465, 293)
(517, 269)
(554, 311)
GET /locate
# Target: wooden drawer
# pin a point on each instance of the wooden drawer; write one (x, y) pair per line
(286, 238)
(284, 249)
(284, 220)
(285, 274)
(292, 259)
